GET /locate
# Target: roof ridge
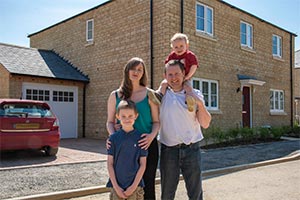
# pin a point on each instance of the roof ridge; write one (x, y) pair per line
(13, 45)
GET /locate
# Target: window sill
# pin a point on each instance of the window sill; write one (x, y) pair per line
(206, 36)
(89, 43)
(274, 113)
(215, 112)
(278, 58)
(248, 49)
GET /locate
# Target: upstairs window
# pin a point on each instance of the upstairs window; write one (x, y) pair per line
(276, 46)
(204, 19)
(276, 101)
(246, 35)
(209, 89)
(90, 30)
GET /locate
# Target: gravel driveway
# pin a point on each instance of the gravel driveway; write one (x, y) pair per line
(18, 182)
(39, 180)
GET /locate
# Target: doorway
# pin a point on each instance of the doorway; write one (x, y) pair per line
(246, 112)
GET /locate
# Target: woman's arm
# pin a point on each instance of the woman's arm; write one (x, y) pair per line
(148, 138)
(111, 113)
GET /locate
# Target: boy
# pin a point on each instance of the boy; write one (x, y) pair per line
(126, 161)
(180, 51)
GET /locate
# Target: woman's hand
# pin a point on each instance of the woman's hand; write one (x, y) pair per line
(108, 143)
(117, 126)
(146, 140)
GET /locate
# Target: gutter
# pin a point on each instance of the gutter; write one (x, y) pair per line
(151, 45)
(181, 15)
(291, 75)
(84, 110)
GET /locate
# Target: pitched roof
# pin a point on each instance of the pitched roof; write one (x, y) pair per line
(36, 62)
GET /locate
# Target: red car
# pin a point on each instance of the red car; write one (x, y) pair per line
(27, 124)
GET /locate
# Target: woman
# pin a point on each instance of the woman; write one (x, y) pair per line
(133, 87)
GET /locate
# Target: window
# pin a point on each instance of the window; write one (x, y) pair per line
(41, 95)
(63, 96)
(246, 34)
(276, 46)
(209, 89)
(204, 19)
(90, 30)
(276, 101)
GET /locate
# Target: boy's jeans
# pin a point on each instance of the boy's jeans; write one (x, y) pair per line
(186, 158)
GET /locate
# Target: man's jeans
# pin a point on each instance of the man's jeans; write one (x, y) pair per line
(186, 158)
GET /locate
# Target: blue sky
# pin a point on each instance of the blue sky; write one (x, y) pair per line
(18, 18)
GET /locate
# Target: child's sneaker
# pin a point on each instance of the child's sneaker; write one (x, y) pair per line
(190, 101)
(155, 97)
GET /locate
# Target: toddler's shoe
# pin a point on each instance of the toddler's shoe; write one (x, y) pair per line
(155, 97)
(190, 101)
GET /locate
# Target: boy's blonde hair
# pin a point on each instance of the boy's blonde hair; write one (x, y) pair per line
(179, 36)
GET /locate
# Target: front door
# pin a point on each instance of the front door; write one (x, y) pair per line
(246, 107)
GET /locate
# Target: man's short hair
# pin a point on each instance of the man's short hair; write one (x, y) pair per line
(173, 63)
(126, 104)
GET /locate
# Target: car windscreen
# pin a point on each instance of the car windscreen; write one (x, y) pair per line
(24, 110)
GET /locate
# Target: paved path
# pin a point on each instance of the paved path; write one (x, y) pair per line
(272, 182)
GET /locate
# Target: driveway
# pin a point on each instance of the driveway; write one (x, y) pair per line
(70, 151)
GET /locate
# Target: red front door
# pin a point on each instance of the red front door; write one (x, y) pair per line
(246, 107)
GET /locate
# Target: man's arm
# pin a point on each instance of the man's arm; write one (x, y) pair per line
(138, 177)
(203, 115)
(112, 176)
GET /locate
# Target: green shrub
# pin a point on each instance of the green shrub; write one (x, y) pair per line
(209, 133)
(233, 134)
(264, 133)
(246, 134)
(277, 132)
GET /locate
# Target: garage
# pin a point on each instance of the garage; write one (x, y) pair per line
(63, 101)
(43, 75)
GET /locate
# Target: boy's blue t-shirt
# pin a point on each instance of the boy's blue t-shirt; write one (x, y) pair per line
(126, 152)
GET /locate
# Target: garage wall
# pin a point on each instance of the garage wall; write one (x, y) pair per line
(63, 101)
(15, 91)
(4, 82)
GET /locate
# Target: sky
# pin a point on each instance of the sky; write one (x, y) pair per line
(19, 18)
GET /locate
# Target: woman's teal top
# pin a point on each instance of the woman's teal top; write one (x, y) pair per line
(144, 121)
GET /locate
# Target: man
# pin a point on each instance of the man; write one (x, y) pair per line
(180, 135)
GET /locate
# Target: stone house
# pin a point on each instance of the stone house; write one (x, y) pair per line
(246, 63)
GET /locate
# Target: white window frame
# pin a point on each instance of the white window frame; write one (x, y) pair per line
(208, 103)
(206, 21)
(91, 30)
(248, 34)
(276, 104)
(278, 46)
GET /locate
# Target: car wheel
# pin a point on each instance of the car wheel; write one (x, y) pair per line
(50, 151)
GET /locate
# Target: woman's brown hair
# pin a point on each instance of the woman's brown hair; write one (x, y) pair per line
(126, 85)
